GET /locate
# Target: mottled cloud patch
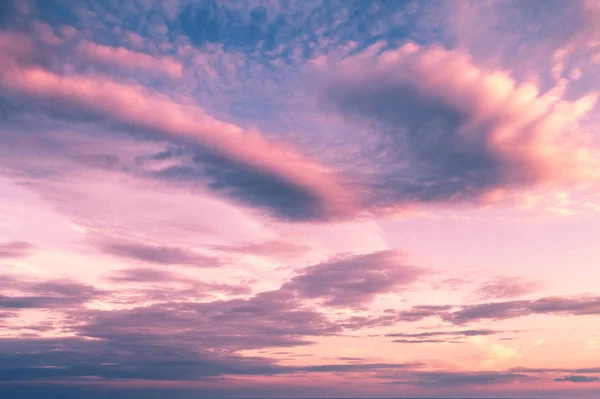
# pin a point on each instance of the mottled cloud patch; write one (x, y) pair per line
(451, 131)
(162, 255)
(15, 249)
(507, 287)
(354, 280)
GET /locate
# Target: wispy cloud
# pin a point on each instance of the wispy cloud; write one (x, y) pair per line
(126, 59)
(507, 287)
(461, 314)
(162, 255)
(15, 249)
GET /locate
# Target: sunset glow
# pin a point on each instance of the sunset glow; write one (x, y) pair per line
(299, 199)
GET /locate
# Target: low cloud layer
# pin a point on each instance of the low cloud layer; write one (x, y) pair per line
(457, 379)
(577, 378)
(461, 314)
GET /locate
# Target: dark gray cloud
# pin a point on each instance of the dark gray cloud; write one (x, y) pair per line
(162, 255)
(244, 183)
(452, 379)
(15, 249)
(38, 359)
(577, 378)
(507, 287)
(48, 294)
(64, 358)
(354, 280)
(261, 189)
(423, 130)
(584, 370)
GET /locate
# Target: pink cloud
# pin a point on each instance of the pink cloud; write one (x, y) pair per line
(130, 60)
(507, 287)
(354, 280)
(494, 131)
(135, 106)
(14, 47)
(582, 44)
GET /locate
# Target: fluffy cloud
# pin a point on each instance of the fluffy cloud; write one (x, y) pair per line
(451, 131)
(354, 280)
(444, 130)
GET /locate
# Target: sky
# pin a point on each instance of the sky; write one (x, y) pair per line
(299, 199)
